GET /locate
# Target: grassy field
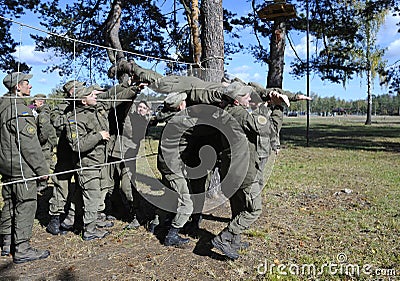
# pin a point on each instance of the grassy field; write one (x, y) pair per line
(331, 212)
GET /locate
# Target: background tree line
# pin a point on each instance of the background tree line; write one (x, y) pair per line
(387, 104)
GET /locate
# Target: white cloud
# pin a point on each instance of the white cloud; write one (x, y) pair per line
(300, 48)
(389, 30)
(28, 55)
(393, 51)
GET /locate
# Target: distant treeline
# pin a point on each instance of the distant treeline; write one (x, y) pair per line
(381, 105)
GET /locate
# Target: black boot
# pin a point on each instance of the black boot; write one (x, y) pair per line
(102, 221)
(192, 227)
(24, 253)
(173, 239)
(6, 245)
(54, 225)
(238, 244)
(68, 223)
(223, 243)
(90, 232)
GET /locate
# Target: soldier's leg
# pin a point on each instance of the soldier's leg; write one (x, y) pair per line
(58, 202)
(7, 214)
(25, 209)
(109, 178)
(89, 181)
(131, 195)
(250, 211)
(183, 211)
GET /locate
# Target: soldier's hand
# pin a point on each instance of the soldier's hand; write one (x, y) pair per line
(303, 97)
(278, 98)
(142, 85)
(105, 135)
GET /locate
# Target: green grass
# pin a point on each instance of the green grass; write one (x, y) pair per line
(306, 188)
(307, 217)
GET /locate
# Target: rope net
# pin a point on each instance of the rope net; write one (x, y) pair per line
(191, 69)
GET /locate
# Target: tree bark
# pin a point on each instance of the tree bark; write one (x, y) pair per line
(276, 61)
(212, 40)
(113, 23)
(194, 28)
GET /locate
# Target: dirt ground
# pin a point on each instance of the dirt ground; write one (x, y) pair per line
(335, 202)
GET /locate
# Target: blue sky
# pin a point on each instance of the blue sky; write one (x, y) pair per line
(241, 65)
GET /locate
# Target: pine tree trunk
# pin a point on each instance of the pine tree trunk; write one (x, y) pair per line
(277, 54)
(212, 40)
(113, 23)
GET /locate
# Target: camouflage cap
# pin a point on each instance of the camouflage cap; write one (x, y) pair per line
(71, 84)
(39, 96)
(237, 89)
(12, 79)
(82, 92)
(174, 99)
(96, 87)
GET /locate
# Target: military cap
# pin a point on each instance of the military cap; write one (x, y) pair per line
(39, 96)
(237, 89)
(174, 99)
(12, 79)
(83, 92)
(71, 84)
(96, 87)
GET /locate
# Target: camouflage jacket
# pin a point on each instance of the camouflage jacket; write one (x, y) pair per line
(20, 151)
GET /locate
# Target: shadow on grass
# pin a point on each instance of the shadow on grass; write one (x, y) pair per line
(342, 137)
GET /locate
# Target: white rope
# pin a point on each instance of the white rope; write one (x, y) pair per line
(69, 99)
(16, 113)
(118, 137)
(76, 120)
(78, 169)
(92, 44)
(75, 41)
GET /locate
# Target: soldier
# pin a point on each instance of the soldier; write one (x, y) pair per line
(174, 141)
(128, 125)
(63, 190)
(246, 201)
(46, 134)
(88, 135)
(21, 158)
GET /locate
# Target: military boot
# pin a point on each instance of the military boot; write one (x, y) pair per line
(223, 243)
(90, 232)
(102, 221)
(6, 245)
(238, 244)
(25, 253)
(68, 223)
(192, 228)
(173, 239)
(54, 225)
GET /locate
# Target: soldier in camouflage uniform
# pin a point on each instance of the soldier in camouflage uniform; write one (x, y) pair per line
(63, 190)
(88, 136)
(246, 201)
(46, 134)
(21, 158)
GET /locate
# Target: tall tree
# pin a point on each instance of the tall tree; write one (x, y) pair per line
(212, 40)
(368, 53)
(134, 26)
